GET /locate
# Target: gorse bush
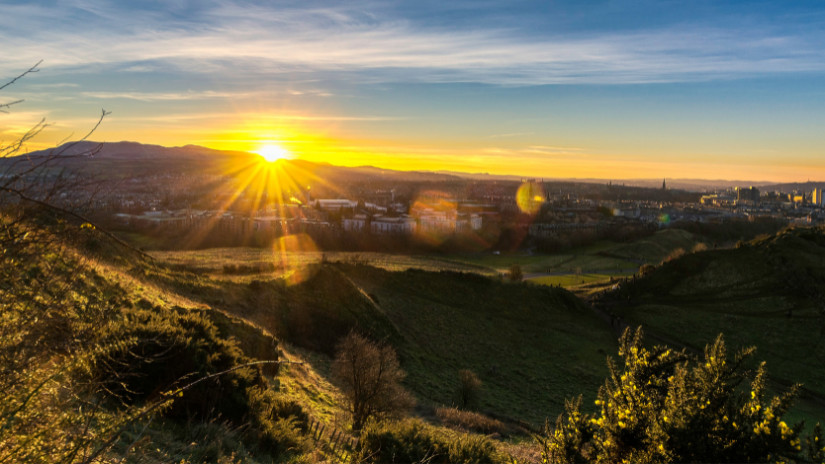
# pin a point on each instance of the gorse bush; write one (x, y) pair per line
(155, 350)
(660, 405)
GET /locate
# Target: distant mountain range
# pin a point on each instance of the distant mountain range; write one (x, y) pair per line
(125, 159)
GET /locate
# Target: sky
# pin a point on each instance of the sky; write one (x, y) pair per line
(604, 89)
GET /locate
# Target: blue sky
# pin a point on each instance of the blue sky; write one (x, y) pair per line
(607, 89)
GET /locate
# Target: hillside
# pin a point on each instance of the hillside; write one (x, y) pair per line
(97, 362)
(766, 293)
(532, 346)
(173, 353)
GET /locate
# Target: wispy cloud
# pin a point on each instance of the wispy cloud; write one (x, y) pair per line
(257, 117)
(165, 96)
(508, 135)
(230, 39)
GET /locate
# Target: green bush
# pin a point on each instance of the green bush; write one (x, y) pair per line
(472, 449)
(666, 406)
(153, 351)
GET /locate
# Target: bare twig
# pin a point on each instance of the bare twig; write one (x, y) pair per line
(33, 69)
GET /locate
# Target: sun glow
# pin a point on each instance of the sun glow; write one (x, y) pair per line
(272, 152)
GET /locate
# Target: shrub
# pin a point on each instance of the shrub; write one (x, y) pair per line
(646, 269)
(151, 351)
(666, 406)
(515, 274)
(470, 421)
(414, 441)
(675, 254)
(469, 389)
(699, 247)
(472, 449)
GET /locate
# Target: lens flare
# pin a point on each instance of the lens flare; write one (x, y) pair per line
(529, 197)
(295, 272)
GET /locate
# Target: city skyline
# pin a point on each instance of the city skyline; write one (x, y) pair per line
(610, 90)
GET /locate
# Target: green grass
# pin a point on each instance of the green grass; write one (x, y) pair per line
(213, 260)
(570, 280)
(532, 346)
(600, 259)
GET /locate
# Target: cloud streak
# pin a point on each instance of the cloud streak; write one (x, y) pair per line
(229, 39)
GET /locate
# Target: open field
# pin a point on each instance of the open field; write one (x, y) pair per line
(215, 260)
(595, 263)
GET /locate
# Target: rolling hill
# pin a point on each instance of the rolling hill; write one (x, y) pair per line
(532, 346)
(766, 293)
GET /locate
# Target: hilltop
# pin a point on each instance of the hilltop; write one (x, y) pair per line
(130, 159)
(136, 158)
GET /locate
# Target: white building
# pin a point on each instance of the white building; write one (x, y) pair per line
(392, 225)
(357, 223)
(335, 204)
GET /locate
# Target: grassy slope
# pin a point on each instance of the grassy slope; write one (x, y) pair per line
(531, 346)
(93, 278)
(763, 294)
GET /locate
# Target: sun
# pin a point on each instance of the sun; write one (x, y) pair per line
(272, 152)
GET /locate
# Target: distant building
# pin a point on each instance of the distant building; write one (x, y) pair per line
(357, 223)
(436, 221)
(392, 225)
(466, 222)
(717, 199)
(336, 204)
(270, 224)
(747, 194)
(816, 197)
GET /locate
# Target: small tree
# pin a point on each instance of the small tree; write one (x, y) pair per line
(516, 275)
(469, 388)
(370, 377)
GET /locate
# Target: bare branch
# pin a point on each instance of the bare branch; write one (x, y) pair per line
(7, 105)
(33, 69)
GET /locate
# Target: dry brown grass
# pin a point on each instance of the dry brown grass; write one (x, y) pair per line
(470, 421)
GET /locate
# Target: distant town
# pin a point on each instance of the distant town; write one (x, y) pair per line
(437, 211)
(193, 197)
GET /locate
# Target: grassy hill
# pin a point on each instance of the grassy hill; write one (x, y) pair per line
(109, 325)
(532, 346)
(99, 362)
(766, 293)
